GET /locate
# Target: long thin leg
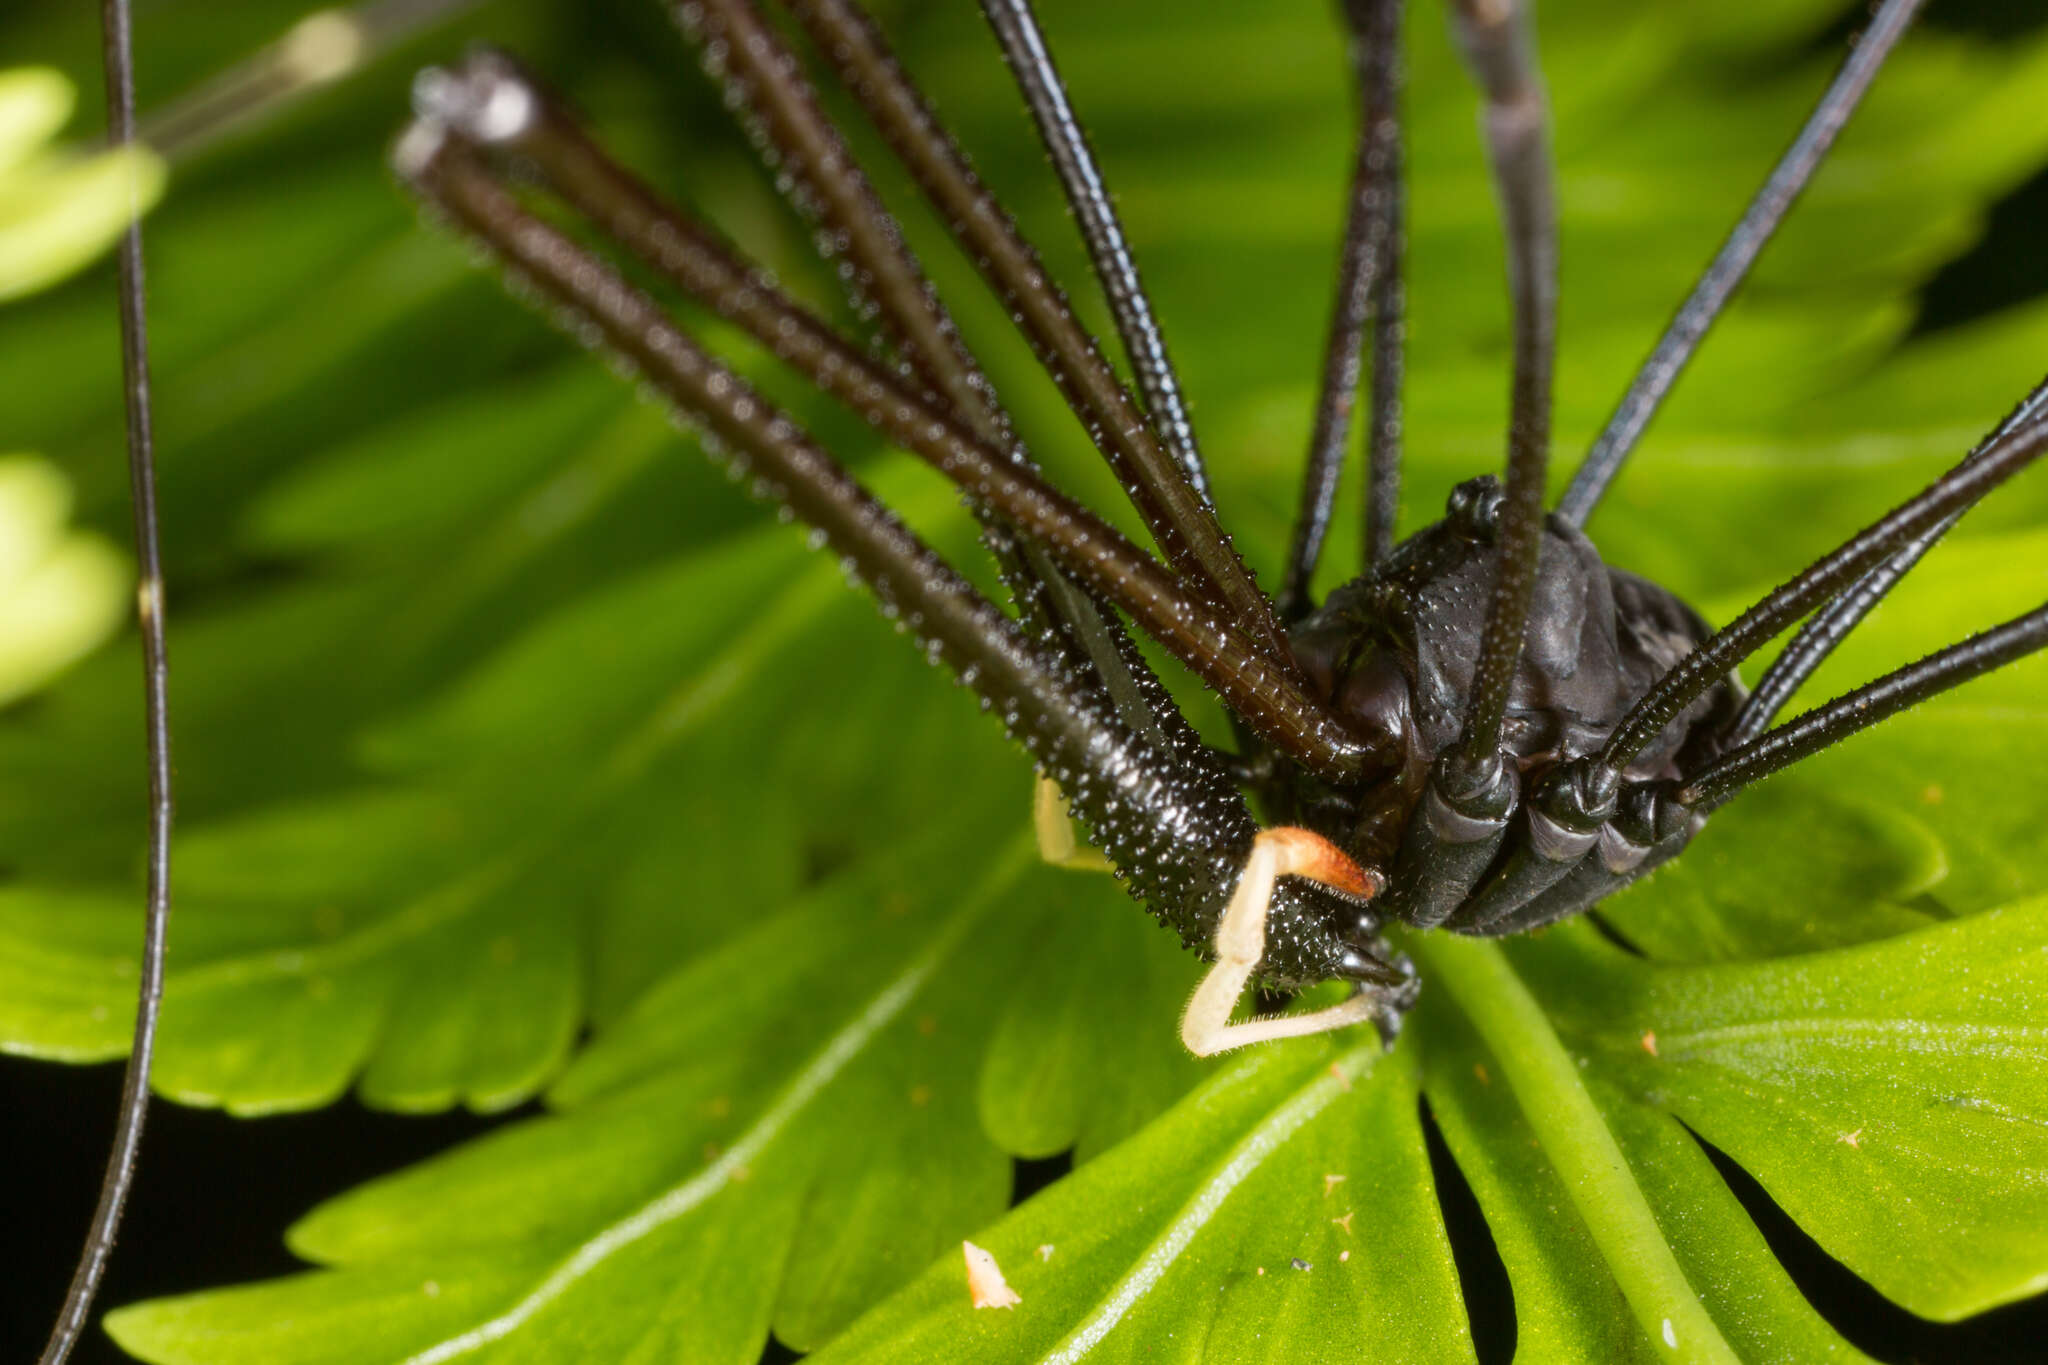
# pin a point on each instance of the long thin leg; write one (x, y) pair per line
(1499, 43)
(1474, 787)
(663, 236)
(119, 62)
(1808, 734)
(1389, 359)
(1732, 264)
(1045, 95)
(1126, 789)
(1369, 255)
(1953, 492)
(1820, 636)
(1179, 517)
(827, 182)
(1205, 1026)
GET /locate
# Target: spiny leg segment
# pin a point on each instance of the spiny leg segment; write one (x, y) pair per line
(827, 184)
(1170, 817)
(1180, 518)
(710, 269)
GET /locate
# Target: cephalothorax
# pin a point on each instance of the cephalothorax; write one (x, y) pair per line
(1394, 653)
(1488, 731)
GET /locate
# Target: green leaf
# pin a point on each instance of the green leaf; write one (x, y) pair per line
(1892, 1097)
(519, 759)
(1283, 1210)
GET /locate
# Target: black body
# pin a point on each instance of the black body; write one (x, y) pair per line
(1394, 652)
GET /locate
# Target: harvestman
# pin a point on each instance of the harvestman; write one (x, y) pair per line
(1488, 731)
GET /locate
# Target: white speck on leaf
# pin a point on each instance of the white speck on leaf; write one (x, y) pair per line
(985, 1283)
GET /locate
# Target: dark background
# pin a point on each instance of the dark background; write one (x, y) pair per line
(213, 1194)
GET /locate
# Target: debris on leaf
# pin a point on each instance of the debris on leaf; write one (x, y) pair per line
(985, 1283)
(1300, 1264)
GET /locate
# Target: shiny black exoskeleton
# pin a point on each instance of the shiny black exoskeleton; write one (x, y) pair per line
(1394, 653)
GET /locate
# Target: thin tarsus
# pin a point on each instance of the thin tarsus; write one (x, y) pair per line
(118, 52)
(1759, 223)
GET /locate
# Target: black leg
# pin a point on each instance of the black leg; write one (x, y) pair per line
(1045, 95)
(1820, 636)
(118, 58)
(1179, 517)
(748, 58)
(1473, 788)
(1367, 279)
(827, 183)
(1808, 734)
(712, 271)
(1759, 223)
(1126, 790)
(1950, 494)
(1389, 343)
(1499, 42)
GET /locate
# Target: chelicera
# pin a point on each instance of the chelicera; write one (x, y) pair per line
(1487, 731)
